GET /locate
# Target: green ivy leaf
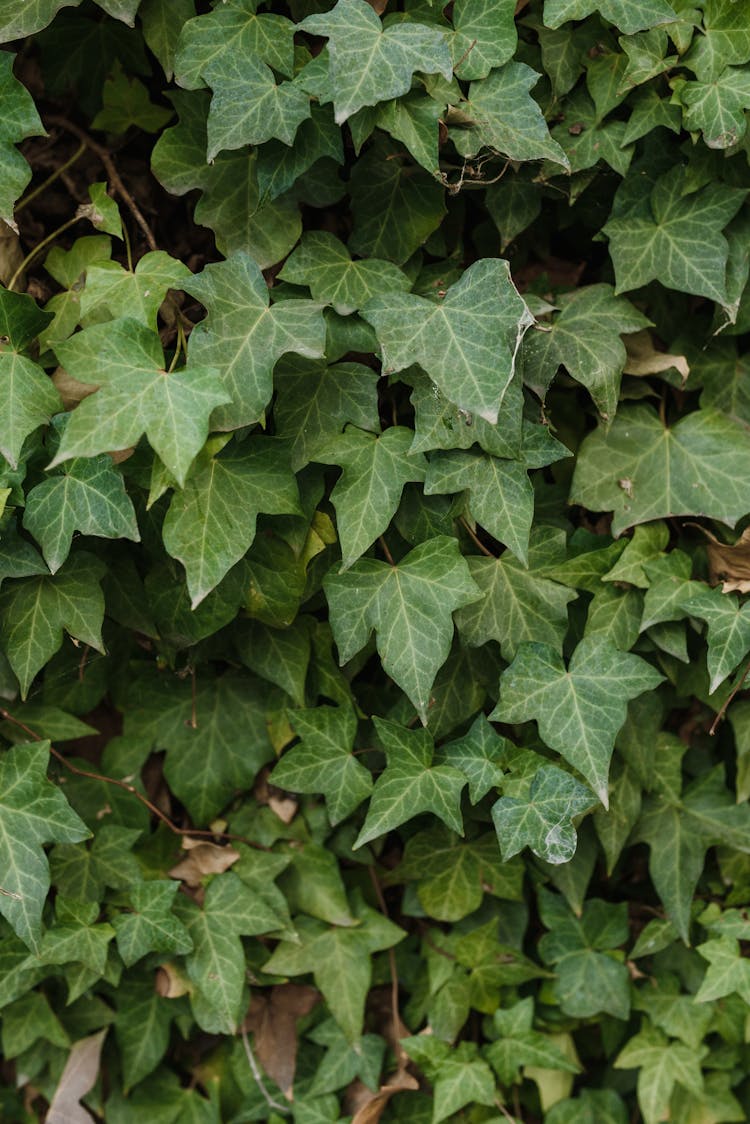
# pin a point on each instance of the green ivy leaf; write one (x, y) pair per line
(675, 238)
(662, 1065)
(370, 64)
(151, 927)
(142, 1028)
(411, 784)
(409, 606)
(20, 118)
(504, 117)
(543, 819)
(220, 753)
(322, 761)
(459, 1077)
(323, 263)
(243, 336)
(35, 611)
(467, 343)
(728, 631)
(110, 288)
(585, 338)
(479, 755)
(518, 603)
(88, 496)
(641, 470)
(334, 954)
(579, 711)
(202, 529)
(136, 396)
(518, 1044)
(589, 980)
(629, 15)
(32, 812)
(366, 496)
(484, 37)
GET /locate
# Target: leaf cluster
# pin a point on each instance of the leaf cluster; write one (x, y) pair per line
(374, 539)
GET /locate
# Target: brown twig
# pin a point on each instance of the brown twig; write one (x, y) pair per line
(729, 699)
(126, 786)
(111, 170)
(476, 540)
(401, 1056)
(465, 55)
(386, 551)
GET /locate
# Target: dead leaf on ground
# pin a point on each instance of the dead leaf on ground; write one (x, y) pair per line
(202, 859)
(644, 359)
(370, 1106)
(272, 1020)
(78, 1079)
(729, 565)
(379, 5)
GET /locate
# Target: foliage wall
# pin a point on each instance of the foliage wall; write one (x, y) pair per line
(374, 462)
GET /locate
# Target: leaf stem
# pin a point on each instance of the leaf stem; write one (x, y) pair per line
(386, 551)
(51, 179)
(127, 787)
(255, 1068)
(729, 699)
(477, 542)
(401, 1057)
(40, 246)
(111, 170)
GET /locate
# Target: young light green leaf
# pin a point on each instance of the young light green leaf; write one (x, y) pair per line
(88, 496)
(641, 470)
(111, 288)
(411, 784)
(579, 711)
(369, 64)
(467, 343)
(32, 812)
(518, 1044)
(409, 606)
(662, 1065)
(322, 761)
(542, 820)
(35, 611)
(459, 1076)
(243, 336)
(136, 395)
(210, 524)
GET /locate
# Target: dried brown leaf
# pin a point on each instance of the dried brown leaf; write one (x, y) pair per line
(11, 254)
(78, 1078)
(170, 982)
(372, 1105)
(71, 390)
(644, 359)
(272, 1019)
(729, 565)
(202, 859)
